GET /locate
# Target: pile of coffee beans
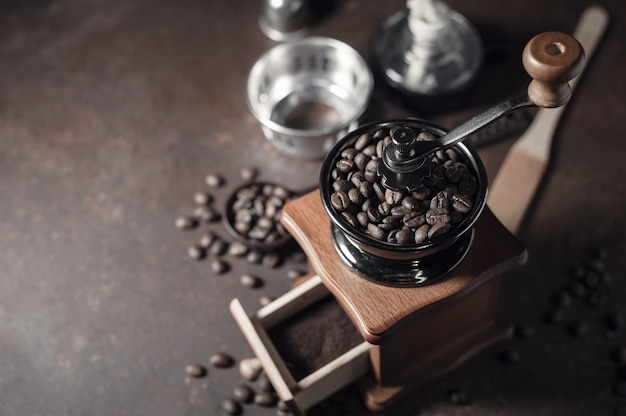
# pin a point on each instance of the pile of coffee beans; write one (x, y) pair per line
(253, 213)
(444, 199)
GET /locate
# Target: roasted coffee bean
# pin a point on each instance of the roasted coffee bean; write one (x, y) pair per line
(248, 173)
(399, 211)
(340, 201)
(372, 165)
(439, 201)
(214, 180)
(421, 234)
(219, 266)
(523, 331)
(221, 360)
(578, 290)
(254, 257)
(391, 236)
(354, 195)
(206, 214)
(410, 203)
(218, 247)
(207, 239)
(451, 189)
(461, 203)
(413, 219)
(393, 219)
(196, 252)
(186, 223)
(349, 153)
(250, 281)
(380, 149)
(421, 193)
(438, 229)
(393, 197)
(375, 231)
(405, 236)
(195, 370)
(384, 209)
(362, 141)
(379, 191)
(426, 136)
(455, 171)
(380, 134)
(438, 216)
(350, 219)
(293, 274)
(371, 176)
(577, 272)
(370, 150)
(360, 160)
(265, 398)
(341, 185)
(614, 321)
(452, 155)
(510, 356)
(456, 217)
(578, 329)
(367, 204)
(362, 219)
(357, 178)
(250, 368)
(271, 260)
(202, 198)
(563, 299)
(458, 397)
(618, 355)
(243, 393)
(555, 316)
(366, 189)
(468, 184)
(232, 407)
(345, 165)
(373, 214)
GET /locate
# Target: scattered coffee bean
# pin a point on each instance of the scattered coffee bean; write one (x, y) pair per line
(596, 299)
(249, 173)
(221, 360)
(265, 300)
(578, 329)
(202, 198)
(293, 274)
(250, 368)
(218, 247)
(265, 399)
(206, 214)
(523, 331)
(214, 180)
(614, 321)
(620, 389)
(232, 407)
(195, 370)
(271, 260)
(186, 223)
(555, 316)
(219, 266)
(237, 249)
(577, 272)
(563, 299)
(458, 397)
(243, 393)
(207, 239)
(249, 281)
(510, 356)
(254, 257)
(196, 252)
(619, 355)
(578, 290)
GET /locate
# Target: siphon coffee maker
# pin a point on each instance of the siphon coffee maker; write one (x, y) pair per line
(425, 300)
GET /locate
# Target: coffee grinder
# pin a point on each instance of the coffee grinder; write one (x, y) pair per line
(423, 307)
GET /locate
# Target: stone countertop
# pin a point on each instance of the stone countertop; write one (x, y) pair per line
(113, 113)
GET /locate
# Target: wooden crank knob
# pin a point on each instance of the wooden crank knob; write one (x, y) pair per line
(552, 59)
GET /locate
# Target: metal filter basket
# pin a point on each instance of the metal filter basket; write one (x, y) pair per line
(308, 94)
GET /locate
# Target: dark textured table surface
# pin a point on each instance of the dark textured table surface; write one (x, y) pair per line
(111, 115)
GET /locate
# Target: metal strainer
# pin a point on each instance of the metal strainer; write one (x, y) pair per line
(308, 94)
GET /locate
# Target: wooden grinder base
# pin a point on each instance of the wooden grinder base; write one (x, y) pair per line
(417, 334)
